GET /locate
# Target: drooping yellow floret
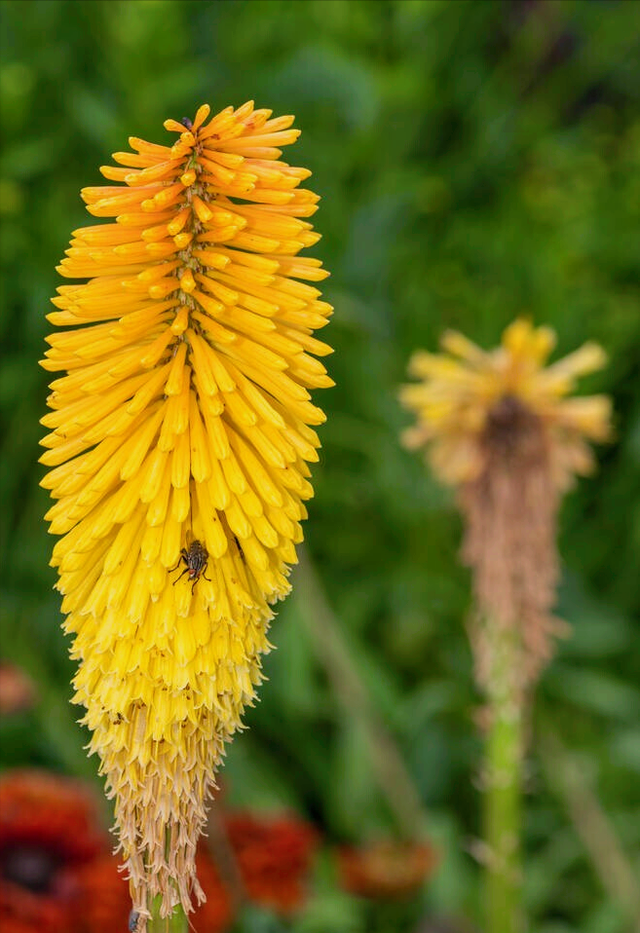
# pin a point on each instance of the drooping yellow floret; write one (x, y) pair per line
(181, 430)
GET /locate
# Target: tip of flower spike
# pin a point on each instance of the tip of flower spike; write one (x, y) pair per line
(385, 869)
(244, 110)
(590, 415)
(201, 115)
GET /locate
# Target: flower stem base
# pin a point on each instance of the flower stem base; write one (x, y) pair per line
(502, 792)
(176, 923)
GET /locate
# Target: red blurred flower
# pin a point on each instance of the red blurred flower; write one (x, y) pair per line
(24, 912)
(57, 873)
(102, 896)
(217, 912)
(49, 827)
(274, 858)
(385, 869)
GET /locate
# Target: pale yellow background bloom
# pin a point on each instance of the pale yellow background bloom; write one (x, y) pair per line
(458, 388)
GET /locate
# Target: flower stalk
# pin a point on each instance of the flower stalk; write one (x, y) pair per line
(498, 427)
(387, 765)
(502, 793)
(176, 923)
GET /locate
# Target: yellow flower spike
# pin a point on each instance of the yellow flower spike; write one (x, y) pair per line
(180, 435)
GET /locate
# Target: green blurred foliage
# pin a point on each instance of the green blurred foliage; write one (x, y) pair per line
(477, 160)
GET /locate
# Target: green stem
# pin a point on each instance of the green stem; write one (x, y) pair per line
(387, 763)
(176, 923)
(502, 784)
(612, 865)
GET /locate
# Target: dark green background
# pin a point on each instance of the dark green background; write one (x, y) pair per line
(477, 160)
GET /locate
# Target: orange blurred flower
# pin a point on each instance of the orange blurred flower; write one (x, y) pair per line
(24, 912)
(103, 896)
(385, 869)
(216, 913)
(274, 857)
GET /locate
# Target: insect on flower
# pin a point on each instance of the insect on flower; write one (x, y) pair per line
(196, 558)
(134, 917)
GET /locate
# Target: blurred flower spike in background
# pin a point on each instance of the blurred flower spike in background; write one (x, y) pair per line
(179, 447)
(499, 427)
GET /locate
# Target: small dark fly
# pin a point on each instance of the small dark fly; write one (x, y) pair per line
(239, 546)
(195, 559)
(134, 917)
